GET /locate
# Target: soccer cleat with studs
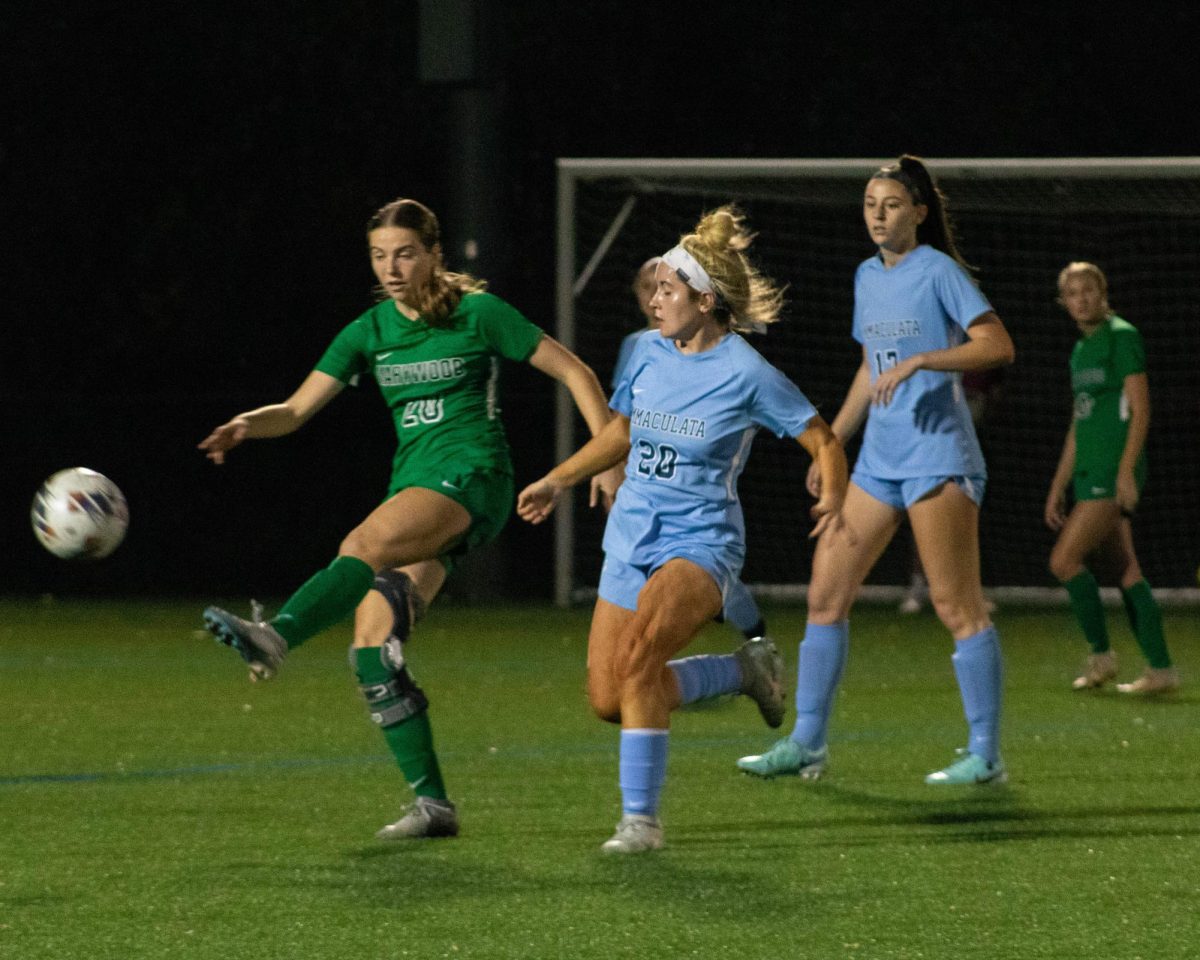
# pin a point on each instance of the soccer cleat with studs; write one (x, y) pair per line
(1099, 669)
(255, 640)
(1154, 680)
(425, 818)
(762, 678)
(786, 758)
(968, 769)
(636, 833)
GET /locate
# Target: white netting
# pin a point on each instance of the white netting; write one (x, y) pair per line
(1018, 224)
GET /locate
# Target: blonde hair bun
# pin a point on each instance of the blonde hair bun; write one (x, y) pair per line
(747, 301)
(724, 229)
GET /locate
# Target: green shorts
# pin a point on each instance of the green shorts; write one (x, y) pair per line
(487, 495)
(1101, 484)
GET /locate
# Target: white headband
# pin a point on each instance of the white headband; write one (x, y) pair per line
(689, 270)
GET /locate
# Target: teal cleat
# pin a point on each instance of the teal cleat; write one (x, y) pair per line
(787, 758)
(969, 768)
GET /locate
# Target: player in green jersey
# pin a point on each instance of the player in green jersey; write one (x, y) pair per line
(433, 344)
(1103, 460)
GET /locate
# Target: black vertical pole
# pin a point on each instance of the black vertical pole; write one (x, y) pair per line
(461, 54)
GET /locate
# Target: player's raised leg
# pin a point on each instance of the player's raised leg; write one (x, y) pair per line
(413, 525)
(742, 611)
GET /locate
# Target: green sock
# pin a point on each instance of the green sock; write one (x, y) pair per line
(326, 599)
(1089, 611)
(1146, 619)
(411, 740)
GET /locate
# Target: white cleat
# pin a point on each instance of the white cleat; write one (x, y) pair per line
(1160, 680)
(636, 833)
(424, 818)
(1099, 669)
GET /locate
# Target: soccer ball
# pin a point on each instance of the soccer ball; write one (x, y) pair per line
(79, 513)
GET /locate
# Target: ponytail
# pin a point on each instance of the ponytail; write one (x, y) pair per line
(937, 230)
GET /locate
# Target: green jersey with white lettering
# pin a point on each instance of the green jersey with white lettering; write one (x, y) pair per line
(440, 383)
(1100, 363)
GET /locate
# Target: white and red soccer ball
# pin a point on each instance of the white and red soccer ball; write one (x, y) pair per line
(79, 514)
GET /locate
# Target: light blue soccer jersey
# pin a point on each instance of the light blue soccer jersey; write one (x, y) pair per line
(692, 418)
(625, 351)
(924, 303)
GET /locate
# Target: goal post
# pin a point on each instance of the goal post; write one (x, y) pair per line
(1018, 221)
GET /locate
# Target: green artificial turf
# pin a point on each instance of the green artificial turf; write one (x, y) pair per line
(155, 804)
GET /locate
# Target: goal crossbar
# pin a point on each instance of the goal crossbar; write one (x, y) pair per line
(571, 279)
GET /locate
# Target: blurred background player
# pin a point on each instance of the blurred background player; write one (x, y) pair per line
(1104, 462)
(740, 608)
(921, 320)
(433, 344)
(644, 287)
(687, 407)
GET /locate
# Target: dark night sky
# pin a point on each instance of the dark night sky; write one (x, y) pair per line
(183, 189)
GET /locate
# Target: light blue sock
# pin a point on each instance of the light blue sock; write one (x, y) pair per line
(643, 768)
(706, 676)
(822, 659)
(980, 672)
(741, 610)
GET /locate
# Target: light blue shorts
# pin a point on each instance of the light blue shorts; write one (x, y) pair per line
(621, 582)
(902, 494)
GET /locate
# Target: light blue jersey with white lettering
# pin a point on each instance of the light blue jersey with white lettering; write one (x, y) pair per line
(692, 418)
(625, 351)
(924, 303)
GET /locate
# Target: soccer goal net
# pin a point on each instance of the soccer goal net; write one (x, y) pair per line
(1018, 222)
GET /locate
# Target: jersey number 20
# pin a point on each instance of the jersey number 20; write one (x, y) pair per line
(656, 460)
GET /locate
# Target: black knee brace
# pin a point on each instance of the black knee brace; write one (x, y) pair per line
(407, 606)
(398, 698)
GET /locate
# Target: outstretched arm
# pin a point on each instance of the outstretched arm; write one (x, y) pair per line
(829, 461)
(555, 360)
(273, 420)
(608, 448)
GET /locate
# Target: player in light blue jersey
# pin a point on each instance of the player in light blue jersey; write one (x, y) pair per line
(922, 323)
(643, 289)
(687, 407)
(740, 608)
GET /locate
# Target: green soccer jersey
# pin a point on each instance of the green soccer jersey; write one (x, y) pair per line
(440, 383)
(1100, 363)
